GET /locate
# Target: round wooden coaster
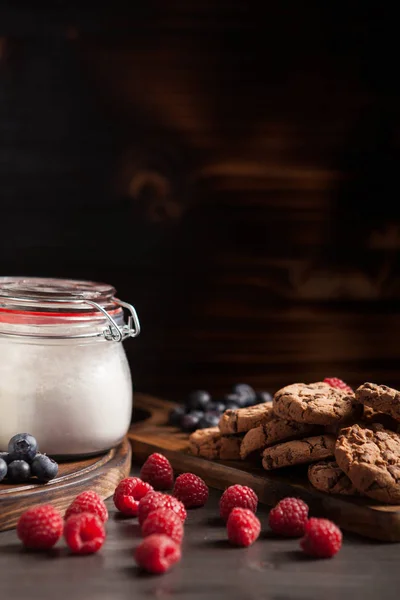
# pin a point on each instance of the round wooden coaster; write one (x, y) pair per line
(100, 473)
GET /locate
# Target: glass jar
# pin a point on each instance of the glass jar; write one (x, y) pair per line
(64, 375)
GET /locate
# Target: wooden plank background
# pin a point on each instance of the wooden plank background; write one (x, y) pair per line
(231, 169)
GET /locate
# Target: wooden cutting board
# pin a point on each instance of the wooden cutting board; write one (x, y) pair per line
(150, 433)
(100, 473)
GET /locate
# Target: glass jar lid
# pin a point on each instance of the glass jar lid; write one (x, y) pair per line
(48, 300)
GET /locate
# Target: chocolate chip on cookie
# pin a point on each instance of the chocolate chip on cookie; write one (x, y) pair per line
(327, 476)
(209, 443)
(241, 420)
(298, 452)
(370, 416)
(315, 403)
(272, 432)
(370, 457)
(380, 398)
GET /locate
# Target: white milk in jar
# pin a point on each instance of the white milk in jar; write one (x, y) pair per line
(64, 375)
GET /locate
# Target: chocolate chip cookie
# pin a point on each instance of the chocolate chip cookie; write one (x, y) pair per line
(272, 432)
(327, 476)
(315, 403)
(209, 443)
(370, 457)
(380, 398)
(297, 452)
(241, 420)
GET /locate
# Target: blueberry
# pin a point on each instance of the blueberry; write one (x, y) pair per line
(175, 416)
(231, 405)
(198, 400)
(3, 469)
(189, 423)
(18, 471)
(213, 413)
(22, 446)
(263, 397)
(197, 414)
(217, 407)
(240, 401)
(210, 419)
(245, 391)
(233, 399)
(5, 456)
(44, 468)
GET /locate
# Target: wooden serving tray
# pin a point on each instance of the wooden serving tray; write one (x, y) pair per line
(100, 473)
(152, 434)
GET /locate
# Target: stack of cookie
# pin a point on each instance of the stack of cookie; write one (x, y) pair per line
(299, 426)
(350, 441)
(358, 450)
(224, 442)
(368, 452)
(310, 415)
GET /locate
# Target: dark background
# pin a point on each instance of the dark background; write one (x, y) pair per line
(232, 170)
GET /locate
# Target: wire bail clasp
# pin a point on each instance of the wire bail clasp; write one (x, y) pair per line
(115, 333)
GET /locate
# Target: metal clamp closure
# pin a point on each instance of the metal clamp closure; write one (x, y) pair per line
(115, 333)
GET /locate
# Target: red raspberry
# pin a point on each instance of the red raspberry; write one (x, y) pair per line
(339, 384)
(322, 538)
(157, 471)
(128, 493)
(88, 501)
(191, 490)
(289, 517)
(156, 500)
(157, 553)
(243, 527)
(84, 533)
(237, 496)
(166, 521)
(40, 527)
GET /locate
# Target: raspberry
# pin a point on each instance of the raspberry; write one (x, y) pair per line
(322, 538)
(157, 553)
(88, 501)
(289, 517)
(237, 496)
(339, 384)
(128, 493)
(156, 500)
(165, 521)
(157, 471)
(84, 533)
(40, 527)
(191, 490)
(243, 527)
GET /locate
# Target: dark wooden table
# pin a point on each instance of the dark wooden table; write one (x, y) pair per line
(272, 569)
